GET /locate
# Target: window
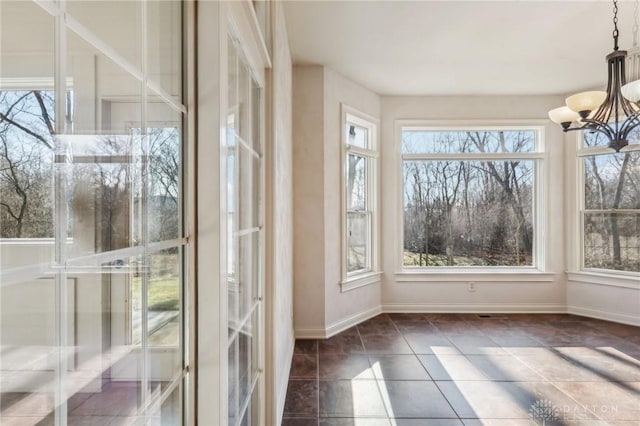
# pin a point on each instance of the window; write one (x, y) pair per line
(359, 186)
(610, 205)
(469, 196)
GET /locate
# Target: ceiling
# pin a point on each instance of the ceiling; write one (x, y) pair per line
(460, 47)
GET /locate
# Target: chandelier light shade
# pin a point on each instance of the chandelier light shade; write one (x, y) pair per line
(614, 113)
(631, 90)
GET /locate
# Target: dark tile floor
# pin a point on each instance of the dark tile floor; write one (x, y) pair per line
(454, 369)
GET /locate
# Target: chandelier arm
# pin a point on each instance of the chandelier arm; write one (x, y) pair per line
(630, 123)
(598, 126)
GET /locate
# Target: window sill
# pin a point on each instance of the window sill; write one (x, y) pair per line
(484, 275)
(358, 281)
(626, 280)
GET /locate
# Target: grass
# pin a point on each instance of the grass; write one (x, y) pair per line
(163, 294)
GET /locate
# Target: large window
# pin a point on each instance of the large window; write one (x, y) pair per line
(360, 156)
(470, 196)
(93, 283)
(610, 205)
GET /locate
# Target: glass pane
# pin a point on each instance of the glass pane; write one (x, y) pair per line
(243, 289)
(164, 304)
(104, 188)
(256, 116)
(234, 381)
(611, 181)
(27, 143)
(99, 17)
(106, 379)
(26, 163)
(357, 136)
(358, 225)
(612, 241)
(356, 190)
(164, 45)
(102, 193)
(165, 165)
(170, 413)
(468, 213)
(243, 126)
(28, 350)
(249, 189)
(248, 359)
(454, 141)
(106, 98)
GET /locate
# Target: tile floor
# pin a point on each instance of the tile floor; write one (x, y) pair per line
(453, 369)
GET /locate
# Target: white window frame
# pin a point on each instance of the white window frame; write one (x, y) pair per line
(370, 274)
(600, 275)
(536, 271)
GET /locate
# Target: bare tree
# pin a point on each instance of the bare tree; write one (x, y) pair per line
(26, 151)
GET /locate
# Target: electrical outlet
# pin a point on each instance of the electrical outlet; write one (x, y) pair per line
(472, 286)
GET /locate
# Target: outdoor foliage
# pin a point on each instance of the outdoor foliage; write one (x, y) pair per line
(26, 164)
(612, 209)
(102, 181)
(469, 212)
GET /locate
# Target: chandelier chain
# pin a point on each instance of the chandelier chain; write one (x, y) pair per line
(615, 25)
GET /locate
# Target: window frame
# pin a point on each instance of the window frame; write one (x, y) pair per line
(583, 152)
(537, 271)
(371, 273)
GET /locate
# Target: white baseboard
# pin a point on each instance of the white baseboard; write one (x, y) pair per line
(604, 315)
(282, 392)
(311, 333)
(456, 308)
(349, 322)
(338, 326)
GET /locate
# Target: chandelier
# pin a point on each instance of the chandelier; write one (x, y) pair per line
(614, 113)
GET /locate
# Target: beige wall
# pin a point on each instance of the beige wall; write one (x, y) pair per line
(308, 196)
(281, 187)
(321, 308)
(494, 292)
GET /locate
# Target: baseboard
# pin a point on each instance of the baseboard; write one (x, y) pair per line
(282, 392)
(311, 333)
(338, 326)
(604, 315)
(349, 322)
(456, 308)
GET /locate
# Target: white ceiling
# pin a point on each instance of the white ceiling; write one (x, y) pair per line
(460, 47)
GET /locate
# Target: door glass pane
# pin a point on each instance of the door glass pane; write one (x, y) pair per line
(164, 314)
(164, 37)
(27, 140)
(243, 289)
(104, 177)
(164, 168)
(99, 17)
(250, 184)
(106, 378)
(234, 381)
(27, 351)
(102, 186)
